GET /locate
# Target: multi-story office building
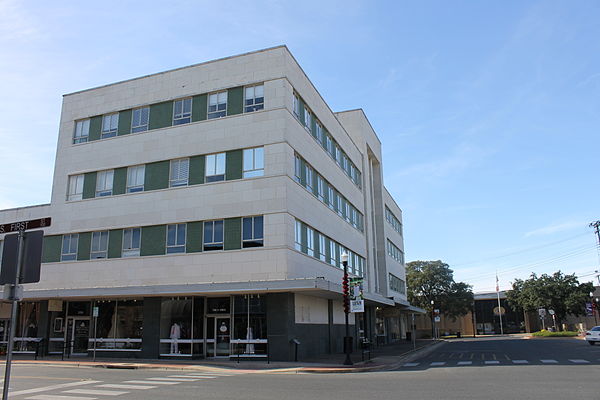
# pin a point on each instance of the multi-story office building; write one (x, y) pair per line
(203, 212)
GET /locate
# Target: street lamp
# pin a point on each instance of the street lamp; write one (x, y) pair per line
(346, 293)
(433, 335)
(594, 307)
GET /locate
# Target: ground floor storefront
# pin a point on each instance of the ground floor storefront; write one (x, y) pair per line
(257, 326)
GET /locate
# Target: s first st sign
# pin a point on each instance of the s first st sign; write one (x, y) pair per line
(25, 225)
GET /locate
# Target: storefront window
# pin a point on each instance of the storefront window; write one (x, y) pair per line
(179, 318)
(27, 332)
(119, 325)
(56, 334)
(249, 326)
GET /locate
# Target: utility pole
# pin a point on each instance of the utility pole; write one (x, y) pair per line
(596, 226)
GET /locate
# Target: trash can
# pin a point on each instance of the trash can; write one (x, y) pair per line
(458, 334)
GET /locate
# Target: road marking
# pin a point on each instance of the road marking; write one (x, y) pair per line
(121, 386)
(465, 363)
(520, 362)
(549, 361)
(193, 376)
(438, 363)
(579, 361)
(56, 397)
(173, 379)
(490, 362)
(152, 382)
(52, 387)
(96, 392)
(411, 364)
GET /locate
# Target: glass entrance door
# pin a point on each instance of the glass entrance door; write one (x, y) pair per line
(78, 334)
(218, 332)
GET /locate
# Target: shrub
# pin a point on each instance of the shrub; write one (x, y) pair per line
(545, 333)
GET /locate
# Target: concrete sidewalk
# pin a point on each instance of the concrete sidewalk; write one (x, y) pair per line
(382, 357)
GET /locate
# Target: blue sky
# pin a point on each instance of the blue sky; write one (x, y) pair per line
(488, 111)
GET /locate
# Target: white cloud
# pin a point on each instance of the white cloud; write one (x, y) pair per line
(555, 228)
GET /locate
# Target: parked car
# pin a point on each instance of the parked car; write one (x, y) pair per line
(593, 335)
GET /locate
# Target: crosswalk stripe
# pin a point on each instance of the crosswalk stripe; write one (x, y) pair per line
(96, 392)
(194, 376)
(579, 361)
(51, 387)
(410, 364)
(490, 362)
(173, 379)
(56, 397)
(520, 362)
(549, 361)
(465, 363)
(121, 386)
(438, 363)
(152, 382)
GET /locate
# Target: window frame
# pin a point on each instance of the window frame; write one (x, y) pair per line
(133, 188)
(76, 195)
(182, 117)
(107, 182)
(131, 251)
(217, 112)
(111, 130)
(179, 181)
(176, 247)
(215, 177)
(255, 170)
(72, 255)
(100, 241)
(142, 127)
(85, 126)
(255, 105)
(254, 240)
(213, 245)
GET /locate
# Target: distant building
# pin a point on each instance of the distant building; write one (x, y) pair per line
(203, 212)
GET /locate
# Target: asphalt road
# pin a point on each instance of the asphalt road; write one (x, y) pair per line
(506, 377)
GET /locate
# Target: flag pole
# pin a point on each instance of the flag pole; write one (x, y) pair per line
(499, 308)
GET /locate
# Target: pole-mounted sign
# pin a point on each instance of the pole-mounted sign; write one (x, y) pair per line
(21, 259)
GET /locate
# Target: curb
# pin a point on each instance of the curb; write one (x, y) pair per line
(401, 359)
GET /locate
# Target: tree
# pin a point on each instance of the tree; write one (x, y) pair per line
(434, 280)
(561, 293)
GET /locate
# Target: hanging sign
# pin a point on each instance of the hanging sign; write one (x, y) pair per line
(357, 301)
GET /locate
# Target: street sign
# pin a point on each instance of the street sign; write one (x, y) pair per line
(551, 312)
(436, 311)
(25, 225)
(32, 257)
(437, 319)
(499, 311)
(95, 312)
(542, 312)
(357, 302)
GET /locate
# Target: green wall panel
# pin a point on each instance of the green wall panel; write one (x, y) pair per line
(197, 164)
(161, 115)
(199, 107)
(315, 186)
(124, 123)
(303, 172)
(327, 249)
(153, 240)
(83, 247)
(235, 100)
(156, 175)
(95, 128)
(89, 185)
(119, 180)
(316, 243)
(52, 247)
(115, 243)
(233, 165)
(194, 237)
(313, 126)
(301, 111)
(232, 234)
(304, 239)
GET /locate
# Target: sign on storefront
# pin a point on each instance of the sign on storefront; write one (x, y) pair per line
(357, 301)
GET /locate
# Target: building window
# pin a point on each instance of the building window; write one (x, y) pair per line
(338, 154)
(297, 168)
(347, 210)
(110, 123)
(319, 132)
(310, 242)
(69, 247)
(213, 235)
(104, 183)
(131, 242)
(394, 252)
(254, 164)
(82, 131)
(296, 104)
(320, 188)
(176, 238)
(254, 98)
(393, 221)
(330, 197)
(339, 205)
(307, 119)
(252, 232)
(99, 245)
(298, 235)
(322, 249)
(135, 178)
(217, 105)
(139, 119)
(309, 177)
(182, 111)
(215, 167)
(179, 172)
(332, 254)
(397, 284)
(75, 187)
